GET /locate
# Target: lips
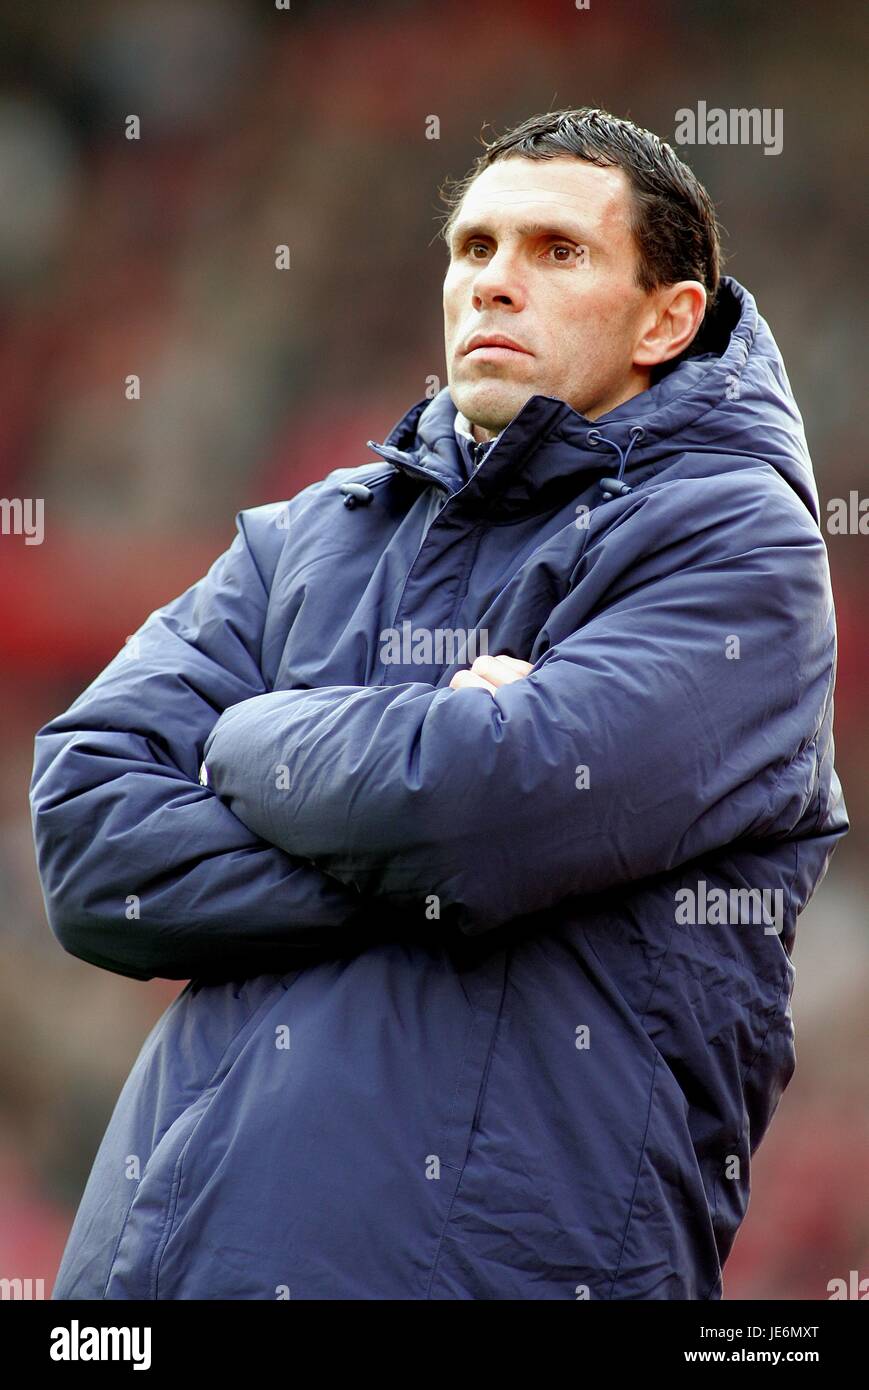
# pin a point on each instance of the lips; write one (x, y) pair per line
(494, 340)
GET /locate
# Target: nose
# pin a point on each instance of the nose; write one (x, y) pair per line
(497, 282)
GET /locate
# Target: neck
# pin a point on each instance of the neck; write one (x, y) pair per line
(482, 436)
(637, 382)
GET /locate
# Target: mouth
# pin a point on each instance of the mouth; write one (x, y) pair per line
(492, 352)
(494, 348)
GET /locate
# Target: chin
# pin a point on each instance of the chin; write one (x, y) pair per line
(491, 404)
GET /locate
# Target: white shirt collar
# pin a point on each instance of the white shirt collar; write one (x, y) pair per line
(463, 426)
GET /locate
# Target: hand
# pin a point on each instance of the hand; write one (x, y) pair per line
(489, 672)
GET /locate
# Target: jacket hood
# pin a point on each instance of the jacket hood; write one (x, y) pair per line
(732, 399)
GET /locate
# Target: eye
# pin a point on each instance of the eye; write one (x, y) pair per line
(573, 252)
(471, 246)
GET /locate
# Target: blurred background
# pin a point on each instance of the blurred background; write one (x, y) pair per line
(308, 127)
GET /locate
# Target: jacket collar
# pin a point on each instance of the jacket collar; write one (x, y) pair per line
(549, 447)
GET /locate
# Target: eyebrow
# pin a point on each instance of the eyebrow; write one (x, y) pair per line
(477, 229)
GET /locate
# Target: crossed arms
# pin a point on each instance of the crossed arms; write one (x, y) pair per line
(473, 792)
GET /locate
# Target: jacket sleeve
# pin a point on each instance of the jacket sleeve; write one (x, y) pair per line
(145, 872)
(644, 737)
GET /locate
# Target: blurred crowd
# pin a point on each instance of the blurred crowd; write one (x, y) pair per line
(154, 258)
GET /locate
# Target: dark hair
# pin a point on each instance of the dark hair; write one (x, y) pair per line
(673, 223)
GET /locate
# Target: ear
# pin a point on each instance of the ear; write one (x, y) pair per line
(675, 316)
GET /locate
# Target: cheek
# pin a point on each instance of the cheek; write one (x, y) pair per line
(452, 281)
(592, 323)
(451, 305)
(580, 337)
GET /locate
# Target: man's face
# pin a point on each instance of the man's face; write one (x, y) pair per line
(515, 270)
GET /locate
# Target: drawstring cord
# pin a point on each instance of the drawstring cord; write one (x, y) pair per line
(616, 487)
(360, 494)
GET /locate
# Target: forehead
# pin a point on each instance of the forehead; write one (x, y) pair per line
(516, 188)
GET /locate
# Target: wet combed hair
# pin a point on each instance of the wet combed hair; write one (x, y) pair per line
(673, 223)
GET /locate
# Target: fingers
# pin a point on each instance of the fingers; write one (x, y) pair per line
(491, 672)
(523, 667)
(498, 670)
(463, 680)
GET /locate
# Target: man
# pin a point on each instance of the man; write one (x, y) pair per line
(489, 959)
